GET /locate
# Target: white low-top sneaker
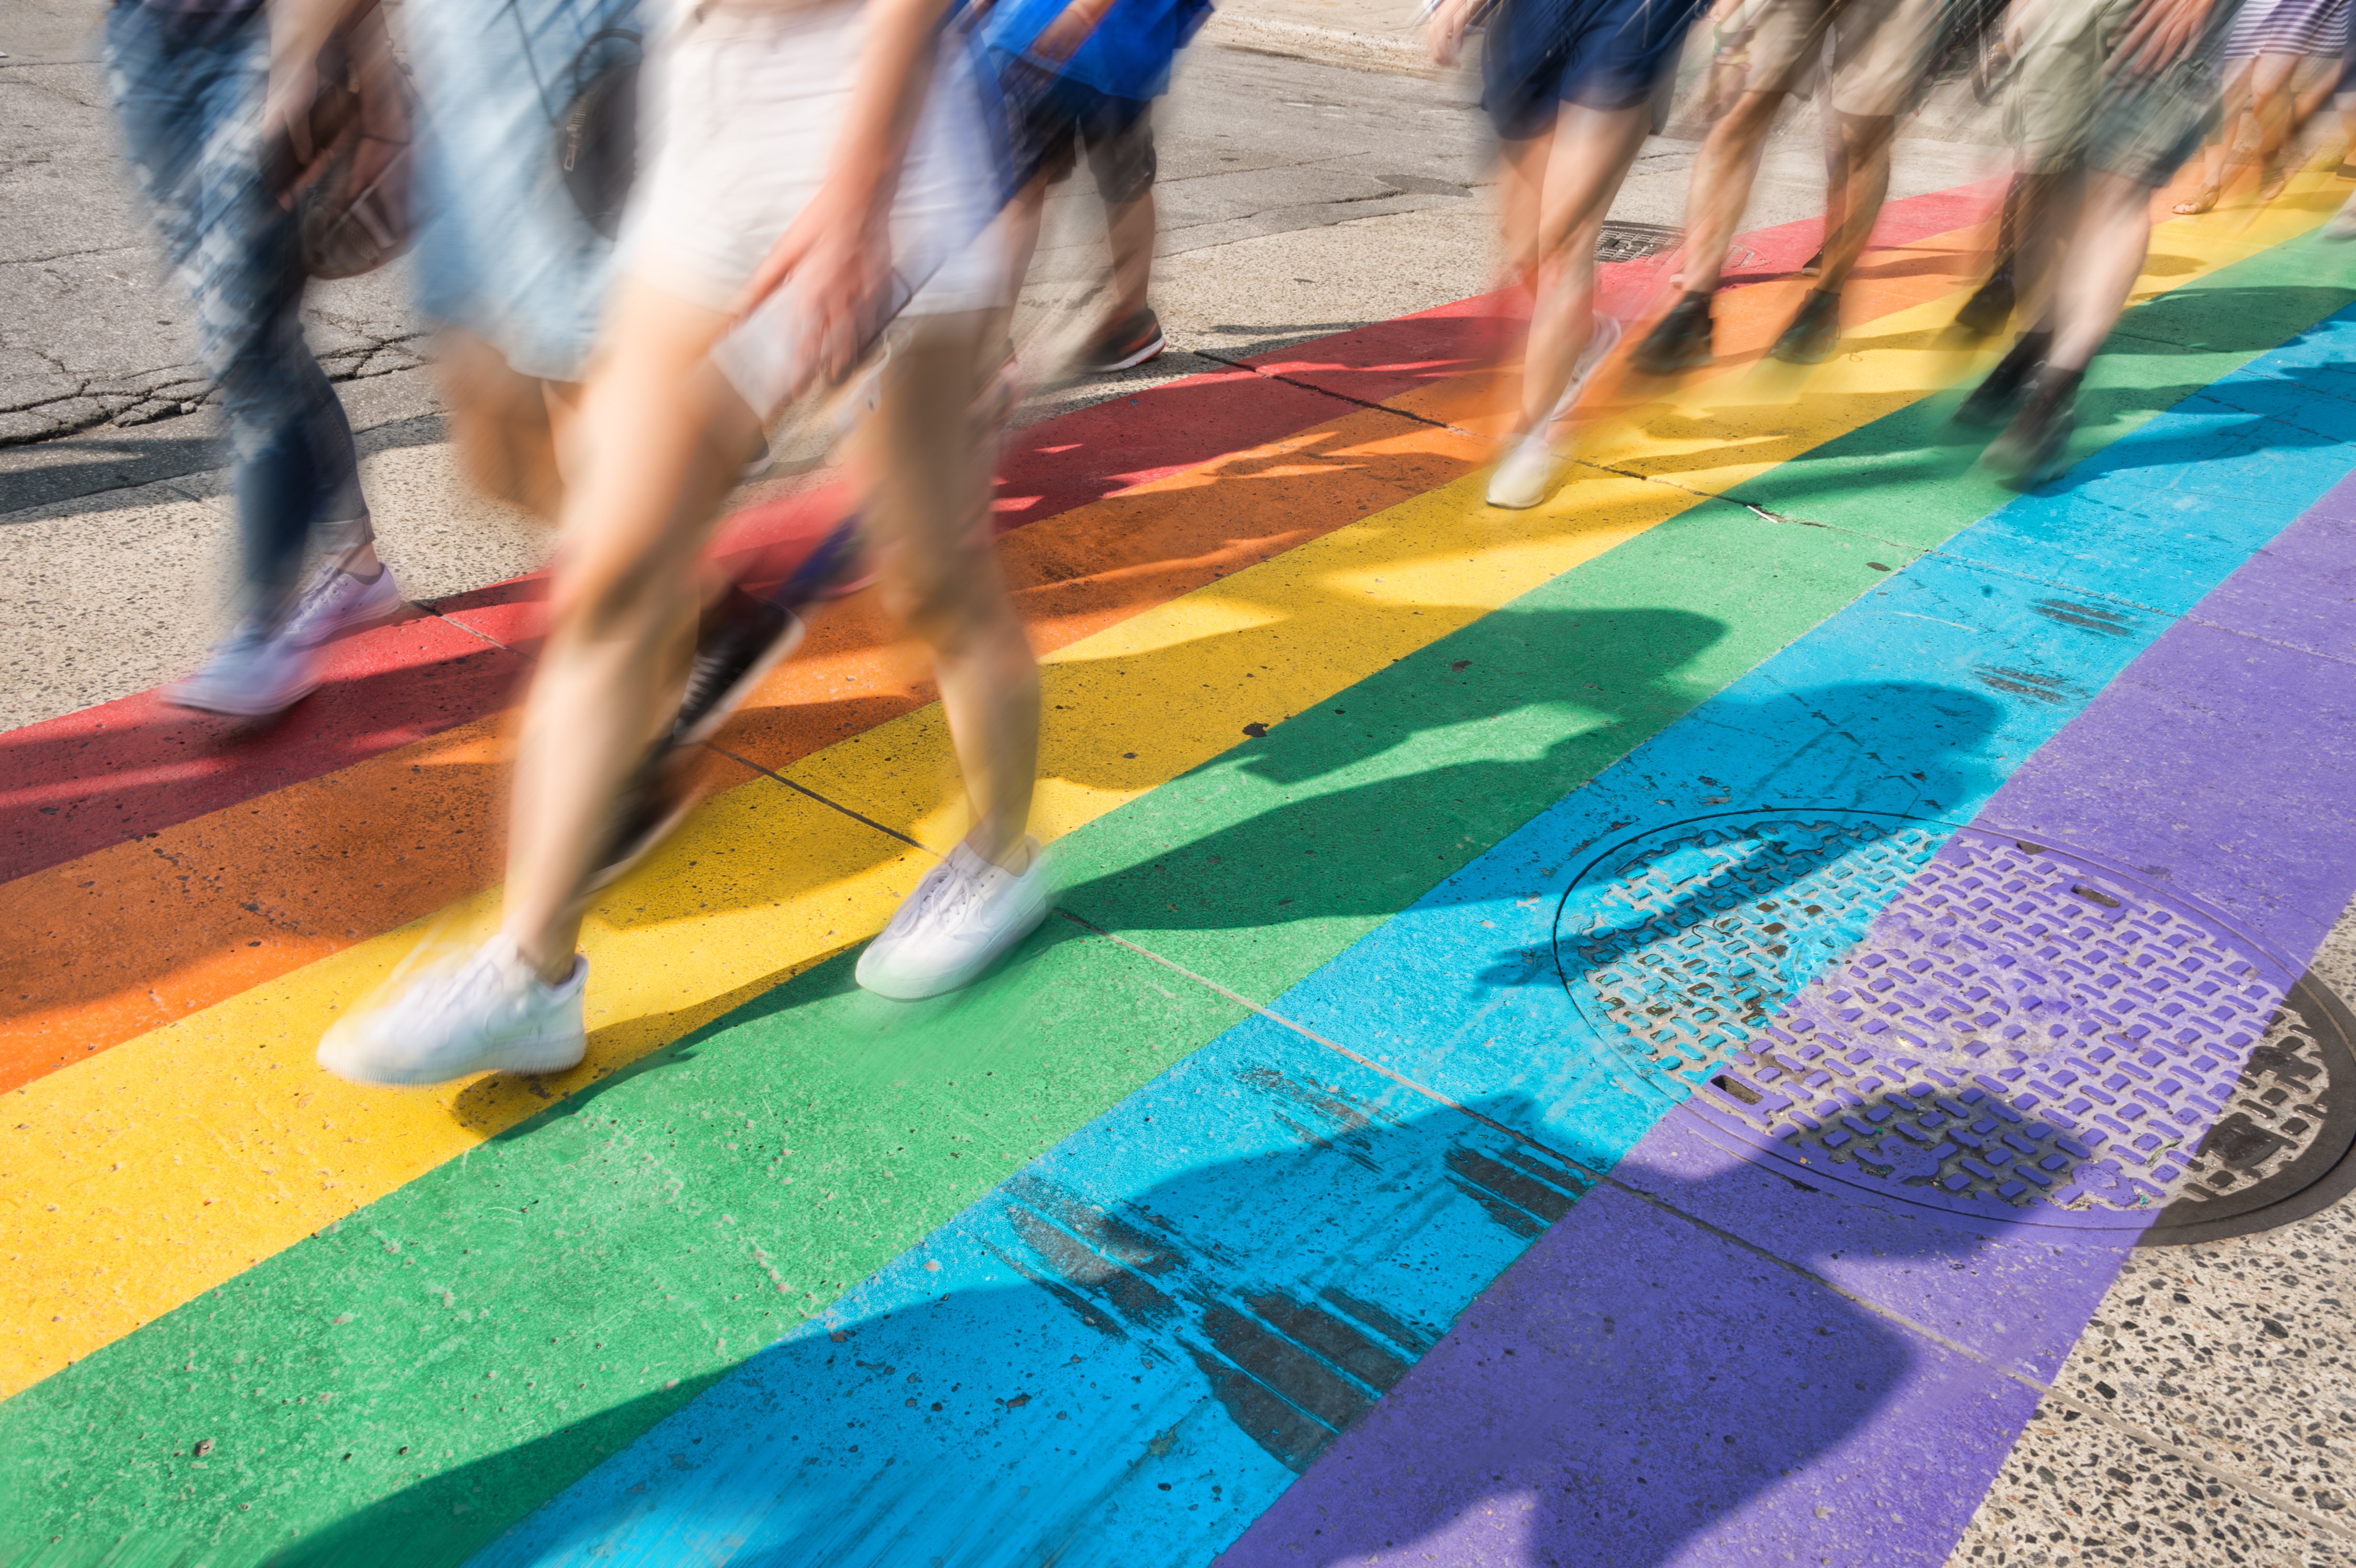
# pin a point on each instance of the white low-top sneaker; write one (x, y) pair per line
(1525, 474)
(336, 601)
(1531, 464)
(489, 1012)
(256, 673)
(962, 918)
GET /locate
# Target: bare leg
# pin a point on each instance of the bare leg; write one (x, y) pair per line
(926, 483)
(1021, 219)
(1867, 140)
(500, 422)
(2217, 158)
(2272, 105)
(1130, 227)
(1590, 154)
(2107, 252)
(661, 436)
(1722, 178)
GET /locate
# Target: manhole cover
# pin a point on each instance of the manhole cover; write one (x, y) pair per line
(2009, 1031)
(1635, 242)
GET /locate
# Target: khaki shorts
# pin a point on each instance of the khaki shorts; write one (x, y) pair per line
(1880, 50)
(747, 101)
(2069, 110)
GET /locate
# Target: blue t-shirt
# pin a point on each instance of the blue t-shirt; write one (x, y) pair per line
(1128, 55)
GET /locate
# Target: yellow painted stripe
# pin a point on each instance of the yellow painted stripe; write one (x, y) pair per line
(157, 1169)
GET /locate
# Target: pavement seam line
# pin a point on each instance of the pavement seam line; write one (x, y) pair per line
(1337, 396)
(822, 800)
(2045, 1391)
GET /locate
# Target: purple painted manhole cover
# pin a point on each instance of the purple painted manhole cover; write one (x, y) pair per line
(2004, 1031)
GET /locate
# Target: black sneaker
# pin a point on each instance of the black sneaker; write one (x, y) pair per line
(1125, 344)
(1815, 333)
(1990, 305)
(2029, 452)
(1679, 341)
(742, 638)
(653, 803)
(1997, 398)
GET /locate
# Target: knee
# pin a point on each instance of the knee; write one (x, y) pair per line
(952, 600)
(609, 591)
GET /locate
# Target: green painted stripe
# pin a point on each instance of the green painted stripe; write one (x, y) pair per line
(510, 1319)
(2162, 352)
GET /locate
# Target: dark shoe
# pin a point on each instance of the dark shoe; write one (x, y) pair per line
(742, 638)
(654, 802)
(1815, 265)
(1679, 341)
(1997, 398)
(1990, 307)
(2029, 452)
(1125, 344)
(1815, 333)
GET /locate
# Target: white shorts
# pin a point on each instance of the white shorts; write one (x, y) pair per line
(746, 103)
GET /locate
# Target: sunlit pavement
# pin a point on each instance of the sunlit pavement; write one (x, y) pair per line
(1781, 1006)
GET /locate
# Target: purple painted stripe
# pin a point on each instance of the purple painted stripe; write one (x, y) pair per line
(1753, 1410)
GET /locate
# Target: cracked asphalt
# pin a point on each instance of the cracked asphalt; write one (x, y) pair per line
(92, 331)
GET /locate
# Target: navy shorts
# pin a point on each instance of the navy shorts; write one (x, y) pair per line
(1598, 54)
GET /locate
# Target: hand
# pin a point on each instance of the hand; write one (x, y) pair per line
(837, 255)
(2162, 32)
(1444, 31)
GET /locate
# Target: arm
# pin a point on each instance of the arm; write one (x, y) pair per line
(839, 249)
(1445, 23)
(1061, 39)
(2163, 31)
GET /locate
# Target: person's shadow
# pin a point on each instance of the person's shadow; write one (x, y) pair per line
(1136, 1374)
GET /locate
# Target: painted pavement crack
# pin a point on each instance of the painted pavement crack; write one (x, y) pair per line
(2044, 1391)
(1328, 392)
(822, 800)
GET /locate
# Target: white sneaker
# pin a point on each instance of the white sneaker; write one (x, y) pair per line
(336, 601)
(961, 919)
(2342, 225)
(1531, 464)
(1525, 474)
(256, 673)
(1602, 338)
(487, 1013)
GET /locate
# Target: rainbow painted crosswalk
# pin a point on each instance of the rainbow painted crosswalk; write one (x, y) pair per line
(1208, 1225)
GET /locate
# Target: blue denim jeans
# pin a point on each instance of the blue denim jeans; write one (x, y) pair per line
(189, 90)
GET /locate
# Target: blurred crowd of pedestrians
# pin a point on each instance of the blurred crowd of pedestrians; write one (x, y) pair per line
(655, 236)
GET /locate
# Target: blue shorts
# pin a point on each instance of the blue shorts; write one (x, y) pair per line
(502, 250)
(1598, 54)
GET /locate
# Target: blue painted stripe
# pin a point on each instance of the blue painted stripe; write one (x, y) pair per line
(1192, 1290)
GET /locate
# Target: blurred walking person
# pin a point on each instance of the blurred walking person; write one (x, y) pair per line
(1081, 76)
(2269, 42)
(1569, 86)
(190, 81)
(2113, 98)
(803, 180)
(1879, 49)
